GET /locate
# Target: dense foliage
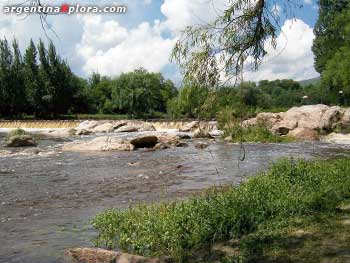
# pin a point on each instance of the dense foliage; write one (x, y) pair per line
(331, 31)
(40, 83)
(178, 229)
(246, 99)
(135, 93)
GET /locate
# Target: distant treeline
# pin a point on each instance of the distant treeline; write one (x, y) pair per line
(41, 84)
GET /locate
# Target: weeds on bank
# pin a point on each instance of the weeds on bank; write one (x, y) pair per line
(267, 203)
(259, 133)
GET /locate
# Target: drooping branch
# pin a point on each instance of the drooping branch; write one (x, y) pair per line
(219, 51)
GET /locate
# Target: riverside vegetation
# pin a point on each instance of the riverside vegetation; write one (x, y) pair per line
(260, 214)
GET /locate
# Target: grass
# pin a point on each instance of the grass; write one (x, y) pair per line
(259, 133)
(16, 132)
(255, 212)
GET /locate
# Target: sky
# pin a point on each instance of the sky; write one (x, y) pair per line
(145, 35)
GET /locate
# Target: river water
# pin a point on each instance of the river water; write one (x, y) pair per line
(48, 198)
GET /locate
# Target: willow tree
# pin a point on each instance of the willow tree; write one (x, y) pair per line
(238, 38)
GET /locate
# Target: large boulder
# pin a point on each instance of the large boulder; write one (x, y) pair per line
(104, 128)
(21, 141)
(302, 117)
(148, 141)
(304, 134)
(331, 118)
(283, 127)
(87, 125)
(338, 138)
(60, 133)
(345, 119)
(127, 128)
(147, 127)
(96, 255)
(202, 133)
(267, 118)
(84, 132)
(106, 143)
(188, 127)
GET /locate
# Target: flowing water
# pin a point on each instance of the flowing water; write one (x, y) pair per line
(48, 197)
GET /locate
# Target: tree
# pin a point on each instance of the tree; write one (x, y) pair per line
(31, 79)
(331, 30)
(141, 92)
(336, 75)
(6, 89)
(18, 98)
(220, 49)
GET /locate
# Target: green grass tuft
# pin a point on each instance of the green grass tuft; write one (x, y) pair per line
(180, 229)
(257, 134)
(16, 132)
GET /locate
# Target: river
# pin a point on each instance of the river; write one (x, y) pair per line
(48, 198)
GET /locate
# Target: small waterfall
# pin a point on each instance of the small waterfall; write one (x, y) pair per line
(46, 124)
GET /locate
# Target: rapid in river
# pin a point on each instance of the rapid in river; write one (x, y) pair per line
(47, 196)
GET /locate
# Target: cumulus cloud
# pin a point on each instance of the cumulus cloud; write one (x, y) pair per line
(293, 57)
(125, 51)
(111, 45)
(182, 13)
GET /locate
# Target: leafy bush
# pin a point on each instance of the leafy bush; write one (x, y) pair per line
(16, 132)
(259, 133)
(178, 229)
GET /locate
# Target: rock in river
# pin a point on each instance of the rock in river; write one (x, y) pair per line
(106, 143)
(21, 141)
(96, 255)
(148, 141)
(304, 134)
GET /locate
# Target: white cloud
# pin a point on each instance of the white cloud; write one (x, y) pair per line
(293, 57)
(143, 46)
(182, 13)
(106, 44)
(308, 2)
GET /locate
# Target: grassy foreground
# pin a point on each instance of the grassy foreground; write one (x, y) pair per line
(260, 213)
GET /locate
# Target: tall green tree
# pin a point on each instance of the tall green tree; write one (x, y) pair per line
(6, 89)
(18, 99)
(331, 31)
(34, 90)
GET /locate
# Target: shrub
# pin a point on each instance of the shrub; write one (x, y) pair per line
(16, 132)
(259, 133)
(178, 229)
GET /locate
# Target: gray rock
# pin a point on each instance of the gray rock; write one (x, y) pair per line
(189, 126)
(127, 128)
(304, 134)
(21, 141)
(96, 255)
(201, 133)
(106, 143)
(201, 145)
(148, 141)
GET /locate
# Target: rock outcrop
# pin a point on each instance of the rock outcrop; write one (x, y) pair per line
(304, 134)
(202, 133)
(96, 255)
(148, 141)
(21, 141)
(188, 127)
(338, 138)
(61, 133)
(303, 122)
(105, 143)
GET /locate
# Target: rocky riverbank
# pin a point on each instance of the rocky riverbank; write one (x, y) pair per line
(312, 122)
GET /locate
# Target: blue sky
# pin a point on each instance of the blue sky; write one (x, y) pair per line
(145, 35)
